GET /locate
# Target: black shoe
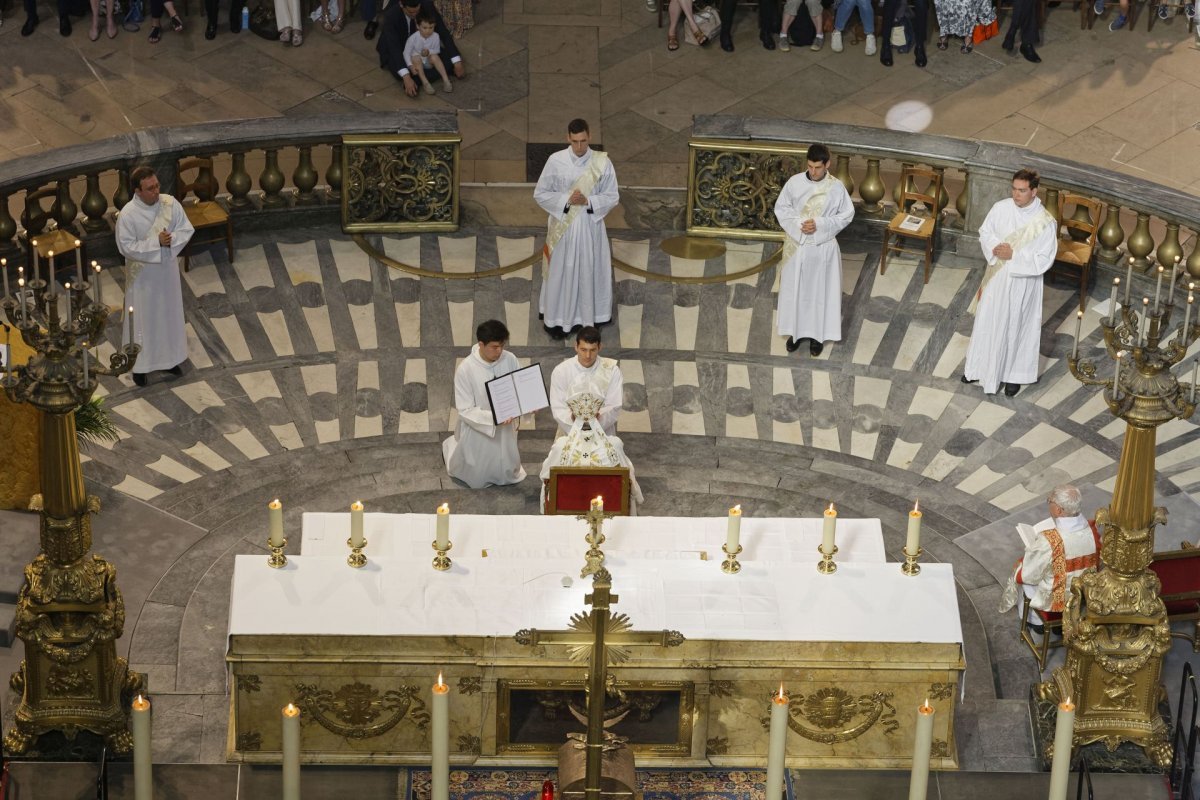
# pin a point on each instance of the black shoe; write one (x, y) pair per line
(768, 41)
(815, 347)
(176, 370)
(235, 22)
(30, 25)
(1011, 389)
(369, 31)
(1030, 54)
(885, 54)
(139, 378)
(792, 345)
(919, 52)
(964, 379)
(558, 334)
(726, 42)
(210, 32)
(1036, 629)
(64, 25)
(1008, 44)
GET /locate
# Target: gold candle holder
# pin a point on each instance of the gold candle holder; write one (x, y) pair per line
(730, 565)
(356, 558)
(277, 560)
(910, 566)
(826, 565)
(594, 557)
(442, 562)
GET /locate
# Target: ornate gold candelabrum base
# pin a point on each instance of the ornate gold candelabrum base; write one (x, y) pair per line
(730, 565)
(594, 557)
(826, 565)
(356, 558)
(910, 567)
(277, 560)
(441, 561)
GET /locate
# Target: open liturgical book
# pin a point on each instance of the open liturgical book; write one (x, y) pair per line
(517, 393)
(1030, 533)
(912, 223)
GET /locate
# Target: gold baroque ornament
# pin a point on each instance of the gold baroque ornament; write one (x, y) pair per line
(832, 710)
(734, 186)
(353, 710)
(470, 685)
(940, 748)
(249, 740)
(468, 743)
(64, 682)
(940, 691)
(405, 182)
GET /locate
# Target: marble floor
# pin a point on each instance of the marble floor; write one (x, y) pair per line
(319, 375)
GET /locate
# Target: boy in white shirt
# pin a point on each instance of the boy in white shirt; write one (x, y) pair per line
(421, 53)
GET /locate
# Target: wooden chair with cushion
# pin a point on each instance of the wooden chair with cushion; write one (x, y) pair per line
(570, 490)
(209, 218)
(1078, 248)
(904, 223)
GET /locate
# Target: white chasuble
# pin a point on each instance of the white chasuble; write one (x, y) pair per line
(481, 453)
(571, 378)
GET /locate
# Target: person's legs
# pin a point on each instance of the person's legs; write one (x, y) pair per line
(727, 9)
(417, 68)
(94, 31)
(436, 60)
(889, 22)
(768, 22)
(789, 16)
(814, 10)
(673, 12)
(156, 12)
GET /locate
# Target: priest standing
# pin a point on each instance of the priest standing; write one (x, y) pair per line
(812, 209)
(577, 188)
(152, 230)
(482, 453)
(587, 369)
(1019, 240)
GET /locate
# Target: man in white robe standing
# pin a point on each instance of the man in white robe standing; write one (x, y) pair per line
(587, 368)
(482, 453)
(1019, 240)
(577, 188)
(152, 229)
(813, 207)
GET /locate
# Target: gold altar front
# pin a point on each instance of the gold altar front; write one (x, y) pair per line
(365, 699)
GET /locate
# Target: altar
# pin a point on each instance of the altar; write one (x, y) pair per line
(358, 649)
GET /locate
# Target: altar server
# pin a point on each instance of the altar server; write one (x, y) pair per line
(812, 209)
(601, 375)
(482, 453)
(1019, 240)
(152, 230)
(577, 188)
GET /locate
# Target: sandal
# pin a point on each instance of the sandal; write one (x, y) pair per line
(176, 24)
(325, 23)
(297, 38)
(155, 34)
(699, 36)
(672, 42)
(337, 25)
(112, 29)
(285, 35)
(943, 42)
(967, 46)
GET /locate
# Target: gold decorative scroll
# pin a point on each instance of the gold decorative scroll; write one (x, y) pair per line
(356, 710)
(832, 710)
(733, 186)
(400, 183)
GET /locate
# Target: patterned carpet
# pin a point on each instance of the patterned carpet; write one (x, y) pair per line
(652, 784)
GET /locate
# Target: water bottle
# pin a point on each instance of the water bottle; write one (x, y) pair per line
(245, 18)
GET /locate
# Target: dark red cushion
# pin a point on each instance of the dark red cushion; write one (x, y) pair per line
(1178, 575)
(1049, 616)
(575, 492)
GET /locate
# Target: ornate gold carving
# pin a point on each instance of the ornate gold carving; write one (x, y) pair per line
(940, 748)
(354, 708)
(833, 709)
(940, 691)
(404, 182)
(469, 744)
(249, 740)
(249, 683)
(470, 685)
(734, 185)
(64, 682)
(720, 688)
(716, 746)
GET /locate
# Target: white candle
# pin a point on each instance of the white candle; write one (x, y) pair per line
(21, 297)
(440, 741)
(49, 267)
(1192, 398)
(829, 531)
(275, 514)
(443, 526)
(1187, 318)
(1128, 279)
(4, 269)
(291, 752)
(1060, 768)
(733, 530)
(1158, 288)
(69, 315)
(131, 336)
(143, 780)
(1112, 311)
(598, 503)
(914, 530)
(1078, 328)
(96, 288)
(1117, 376)
(777, 745)
(78, 262)
(1171, 286)
(35, 261)
(85, 364)
(1141, 341)
(923, 740)
(356, 524)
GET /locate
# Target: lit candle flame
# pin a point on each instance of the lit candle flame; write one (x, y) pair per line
(444, 508)
(440, 682)
(831, 509)
(290, 710)
(140, 703)
(916, 507)
(781, 694)
(736, 509)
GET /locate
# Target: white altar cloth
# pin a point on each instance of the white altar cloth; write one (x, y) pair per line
(540, 537)
(766, 601)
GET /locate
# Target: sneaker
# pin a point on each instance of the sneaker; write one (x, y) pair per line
(870, 44)
(1098, 7)
(1190, 11)
(1164, 12)
(817, 44)
(429, 88)
(447, 87)
(783, 43)
(835, 43)
(1117, 23)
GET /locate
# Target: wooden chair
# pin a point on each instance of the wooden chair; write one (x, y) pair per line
(1077, 249)
(902, 227)
(208, 217)
(570, 490)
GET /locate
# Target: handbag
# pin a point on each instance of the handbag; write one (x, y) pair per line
(709, 23)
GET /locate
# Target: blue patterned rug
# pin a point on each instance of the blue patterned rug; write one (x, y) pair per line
(710, 783)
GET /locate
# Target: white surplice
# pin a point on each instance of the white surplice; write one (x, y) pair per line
(570, 377)
(810, 282)
(481, 453)
(152, 279)
(1008, 322)
(577, 289)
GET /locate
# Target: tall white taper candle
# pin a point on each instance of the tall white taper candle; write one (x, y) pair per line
(290, 739)
(1060, 767)
(143, 778)
(1078, 329)
(922, 742)
(275, 515)
(913, 544)
(733, 530)
(440, 742)
(829, 531)
(443, 526)
(1112, 303)
(1128, 279)
(777, 745)
(356, 524)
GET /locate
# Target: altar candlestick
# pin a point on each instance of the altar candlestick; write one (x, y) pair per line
(443, 526)
(275, 514)
(1171, 286)
(597, 503)
(1112, 303)
(1158, 288)
(69, 315)
(1078, 329)
(777, 745)
(21, 297)
(1117, 375)
(35, 261)
(1060, 767)
(829, 531)
(919, 780)
(96, 287)
(291, 752)
(49, 268)
(440, 741)
(356, 524)
(1128, 279)
(131, 336)
(734, 530)
(78, 262)
(4, 269)
(1141, 340)
(1187, 318)
(914, 530)
(143, 780)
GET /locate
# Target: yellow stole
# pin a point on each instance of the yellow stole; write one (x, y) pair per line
(1021, 237)
(584, 184)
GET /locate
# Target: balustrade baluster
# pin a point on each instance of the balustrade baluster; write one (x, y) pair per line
(238, 183)
(964, 199)
(842, 173)
(1170, 247)
(122, 195)
(1141, 243)
(1051, 206)
(1193, 262)
(94, 205)
(943, 199)
(304, 178)
(333, 175)
(271, 181)
(872, 189)
(65, 210)
(1111, 235)
(896, 192)
(8, 225)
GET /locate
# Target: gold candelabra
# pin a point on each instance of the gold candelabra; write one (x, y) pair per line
(356, 558)
(69, 612)
(1114, 622)
(730, 565)
(826, 565)
(441, 561)
(910, 567)
(594, 557)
